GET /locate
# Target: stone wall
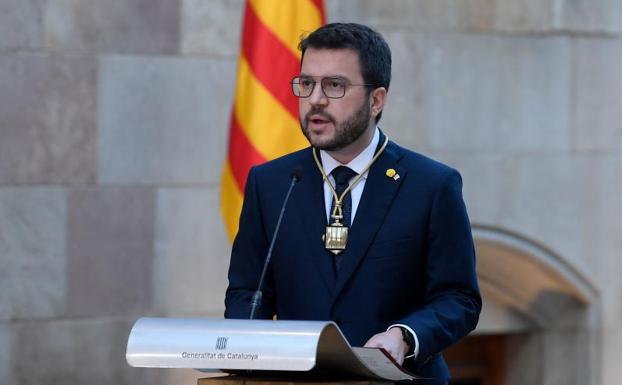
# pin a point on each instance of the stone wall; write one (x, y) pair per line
(114, 119)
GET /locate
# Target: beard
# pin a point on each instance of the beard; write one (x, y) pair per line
(346, 132)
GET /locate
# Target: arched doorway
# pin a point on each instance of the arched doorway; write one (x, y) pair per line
(539, 322)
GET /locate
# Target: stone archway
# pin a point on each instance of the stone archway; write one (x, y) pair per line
(545, 312)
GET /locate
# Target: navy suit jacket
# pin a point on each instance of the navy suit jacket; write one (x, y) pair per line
(409, 259)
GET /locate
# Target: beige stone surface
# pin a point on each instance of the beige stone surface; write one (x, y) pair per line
(48, 109)
(522, 103)
(597, 94)
(525, 15)
(559, 349)
(110, 233)
(21, 24)
(202, 21)
(82, 351)
(566, 202)
(32, 252)
(483, 93)
(6, 359)
(402, 118)
(121, 26)
(592, 16)
(163, 120)
(523, 358)
(610, 365)
(437, 15)
(192, 252)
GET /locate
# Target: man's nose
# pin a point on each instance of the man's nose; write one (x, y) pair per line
(317, 96)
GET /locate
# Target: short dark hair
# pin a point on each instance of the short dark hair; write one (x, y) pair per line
(374, 52)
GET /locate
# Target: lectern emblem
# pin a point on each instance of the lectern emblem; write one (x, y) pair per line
(221, 343)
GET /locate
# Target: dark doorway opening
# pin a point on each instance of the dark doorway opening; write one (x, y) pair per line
(477, 360)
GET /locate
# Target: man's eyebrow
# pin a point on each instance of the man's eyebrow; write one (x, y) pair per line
(302, 74)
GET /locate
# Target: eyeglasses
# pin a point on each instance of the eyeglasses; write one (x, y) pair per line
(334, 87)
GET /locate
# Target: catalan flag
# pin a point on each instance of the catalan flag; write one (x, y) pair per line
(264, 120)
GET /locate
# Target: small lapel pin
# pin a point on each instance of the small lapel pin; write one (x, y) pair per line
(391, 173)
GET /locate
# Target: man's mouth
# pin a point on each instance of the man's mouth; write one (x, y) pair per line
(318, 119)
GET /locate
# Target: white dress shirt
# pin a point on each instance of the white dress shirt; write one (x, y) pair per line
(357, 164)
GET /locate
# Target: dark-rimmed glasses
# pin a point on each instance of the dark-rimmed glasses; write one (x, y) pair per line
(334, 87)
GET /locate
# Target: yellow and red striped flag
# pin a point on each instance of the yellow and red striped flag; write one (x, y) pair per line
(264, 121)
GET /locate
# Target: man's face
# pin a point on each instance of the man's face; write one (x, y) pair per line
(334, 124)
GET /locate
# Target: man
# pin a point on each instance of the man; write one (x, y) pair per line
(403, 276)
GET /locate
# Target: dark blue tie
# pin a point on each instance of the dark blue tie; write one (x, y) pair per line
(342, 175)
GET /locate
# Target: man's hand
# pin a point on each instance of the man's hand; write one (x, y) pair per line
(392, 341)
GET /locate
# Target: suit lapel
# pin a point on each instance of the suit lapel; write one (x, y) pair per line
(310, 202)
(378, 195)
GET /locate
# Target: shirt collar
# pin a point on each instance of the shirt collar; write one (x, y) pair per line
(357, 164)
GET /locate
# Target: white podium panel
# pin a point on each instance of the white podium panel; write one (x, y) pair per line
(262, 345)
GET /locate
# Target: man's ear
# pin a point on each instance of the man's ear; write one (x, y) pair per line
(377, 99)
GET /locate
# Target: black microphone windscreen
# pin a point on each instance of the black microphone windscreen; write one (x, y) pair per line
(297, 173)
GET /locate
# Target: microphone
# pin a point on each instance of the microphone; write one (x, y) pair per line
(296, 175)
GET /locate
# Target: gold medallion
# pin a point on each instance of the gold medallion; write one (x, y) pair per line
(336, 238)
(336, 235)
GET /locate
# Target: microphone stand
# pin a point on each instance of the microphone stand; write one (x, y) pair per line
(257, 296)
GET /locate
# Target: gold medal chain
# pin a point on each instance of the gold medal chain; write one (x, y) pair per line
(339, 199)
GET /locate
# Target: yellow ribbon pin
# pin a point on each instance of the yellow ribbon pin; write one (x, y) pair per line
(391, 173)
